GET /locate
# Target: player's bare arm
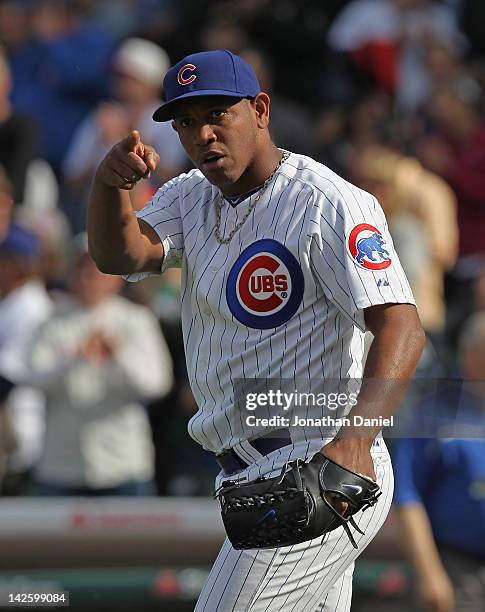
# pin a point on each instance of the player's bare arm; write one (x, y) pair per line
(391, 362)
(118, 242)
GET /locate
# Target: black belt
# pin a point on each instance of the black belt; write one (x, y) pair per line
(230, 462)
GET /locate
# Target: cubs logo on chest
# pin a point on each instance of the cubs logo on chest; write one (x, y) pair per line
(265, 285)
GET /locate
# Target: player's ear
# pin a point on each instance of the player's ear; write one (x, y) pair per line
(261, 107)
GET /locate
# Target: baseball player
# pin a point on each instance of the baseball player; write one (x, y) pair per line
(284, 267)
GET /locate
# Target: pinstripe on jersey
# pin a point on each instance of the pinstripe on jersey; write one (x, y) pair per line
(307, 577)
(311, 212)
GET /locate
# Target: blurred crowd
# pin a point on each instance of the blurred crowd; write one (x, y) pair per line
(388, 93)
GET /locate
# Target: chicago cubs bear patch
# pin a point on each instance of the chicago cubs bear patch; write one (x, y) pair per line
(265, 285)
(367, 246)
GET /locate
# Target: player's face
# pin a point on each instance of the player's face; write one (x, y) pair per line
(221, 136)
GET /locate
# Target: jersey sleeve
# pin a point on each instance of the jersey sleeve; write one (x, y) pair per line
(162, 213)
(352, 255)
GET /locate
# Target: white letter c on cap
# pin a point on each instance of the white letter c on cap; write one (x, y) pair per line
(180, 77)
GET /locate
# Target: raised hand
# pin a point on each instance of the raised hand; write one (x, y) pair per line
(127, 162)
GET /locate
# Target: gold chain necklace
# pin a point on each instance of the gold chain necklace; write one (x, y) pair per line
(220, 200)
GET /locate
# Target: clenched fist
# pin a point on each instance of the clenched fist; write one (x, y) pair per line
(127, 162)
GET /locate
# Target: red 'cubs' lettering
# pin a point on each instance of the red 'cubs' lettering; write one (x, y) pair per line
(268, 284)
(281, 282)
(265, 262)
(256, 284)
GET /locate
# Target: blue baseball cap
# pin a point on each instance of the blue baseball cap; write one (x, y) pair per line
(209, 73)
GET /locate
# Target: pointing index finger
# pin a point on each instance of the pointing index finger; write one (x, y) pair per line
(132, 142)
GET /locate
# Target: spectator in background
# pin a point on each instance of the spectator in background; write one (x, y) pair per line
(18, 141)
(14, 24)
(367, 30)
(472, 18)
(51, 228)
(440, 486)
(291, 127)
(137, 69)
(445, 69)
(182, 468)
(6, 204)
(119, 17)
(331, 146)
(455, 149)
(342, 130)
(24, 305)
(479, 291)
(370, 118)
(388, 39)
(294, 35)
(98, 358)
(59, 74)
(7, 443)
(152, 19)
(421, 211)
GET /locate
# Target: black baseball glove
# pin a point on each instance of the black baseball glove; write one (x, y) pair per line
(295, 506)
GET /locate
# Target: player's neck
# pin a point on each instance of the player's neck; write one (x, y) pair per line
(261, 168)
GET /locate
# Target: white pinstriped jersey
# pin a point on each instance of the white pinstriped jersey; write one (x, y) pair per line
(285, 298)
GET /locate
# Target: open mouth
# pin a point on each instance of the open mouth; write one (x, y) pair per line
(212, 159)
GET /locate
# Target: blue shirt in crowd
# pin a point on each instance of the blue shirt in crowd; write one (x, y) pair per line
(59, 82)
(446, 473)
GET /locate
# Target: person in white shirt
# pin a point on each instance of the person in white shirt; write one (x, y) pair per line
(24, 305)
(98, 359)
(137, 69)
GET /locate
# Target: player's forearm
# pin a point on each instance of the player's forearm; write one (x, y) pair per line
(116, 243)
(418, 539)
(391, 362)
